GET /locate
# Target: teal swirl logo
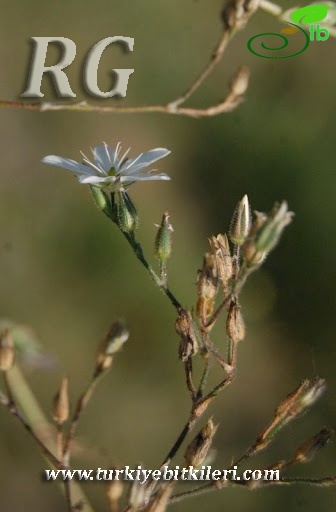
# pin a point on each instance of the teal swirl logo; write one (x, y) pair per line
(304, 15)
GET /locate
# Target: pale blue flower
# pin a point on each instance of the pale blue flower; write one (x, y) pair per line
(109, 169)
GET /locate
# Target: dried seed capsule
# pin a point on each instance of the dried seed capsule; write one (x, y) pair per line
(184, 326)
(235, 325)
(198, 448)
(220, 248)
(307, 450)
(240, 81)
(207, 285)
(292, 406)
(61, 403)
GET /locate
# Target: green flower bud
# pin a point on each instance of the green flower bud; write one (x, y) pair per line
(268, 235)
(102, 200)
(163, 240)
(126, 212)
(241, 222)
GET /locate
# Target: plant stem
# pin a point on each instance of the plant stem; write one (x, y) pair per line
(141, 257)
(39, 427)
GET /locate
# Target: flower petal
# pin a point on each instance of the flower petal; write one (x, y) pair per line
(95, 180)
(135, 164)
(113, 154)
(103, 156)
(144, 177)
(65, 163)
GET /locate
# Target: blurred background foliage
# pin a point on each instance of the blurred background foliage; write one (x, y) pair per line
(68, 273)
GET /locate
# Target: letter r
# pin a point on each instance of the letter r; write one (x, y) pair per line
(37, 67)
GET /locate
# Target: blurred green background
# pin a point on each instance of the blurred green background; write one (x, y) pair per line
(68, 273)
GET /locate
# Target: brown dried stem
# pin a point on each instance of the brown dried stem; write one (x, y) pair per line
(213, 486)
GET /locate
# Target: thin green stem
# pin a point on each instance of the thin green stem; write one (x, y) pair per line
(163, 273)
(141, 257)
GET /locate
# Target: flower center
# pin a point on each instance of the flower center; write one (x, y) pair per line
(112, 172)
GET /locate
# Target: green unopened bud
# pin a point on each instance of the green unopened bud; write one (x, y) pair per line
(241, 222)
(113, 342)
(7, 352)
(268, 235)
(102, 200)
(198, 449)
(163, 240)
(126, 212)
(251, 255)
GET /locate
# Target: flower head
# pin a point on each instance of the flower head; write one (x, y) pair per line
(109, 169)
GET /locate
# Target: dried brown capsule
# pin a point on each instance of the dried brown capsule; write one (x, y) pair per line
(198, 449)
(307, 450)
(235, 325)
(220, 248)
(292, 406)
(184, 326)
(207, 287)
(61, 403)
(240, 81)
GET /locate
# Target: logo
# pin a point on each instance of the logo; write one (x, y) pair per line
(309, 15)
